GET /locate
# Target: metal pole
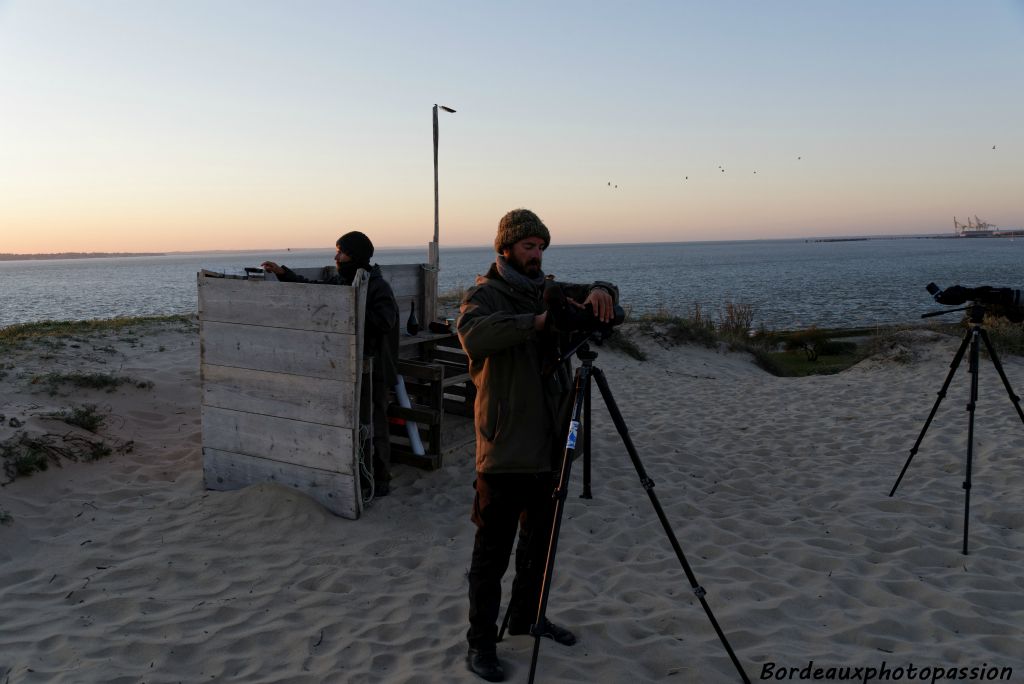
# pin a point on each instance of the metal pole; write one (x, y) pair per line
(436, 223)
(434, 260)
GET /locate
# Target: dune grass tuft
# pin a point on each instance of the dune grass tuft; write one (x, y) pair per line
(98, 381)
(41, 331)
(620, 341)
(25, 454)
(86, 417)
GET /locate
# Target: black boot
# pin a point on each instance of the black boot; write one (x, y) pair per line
(485, 664)
(546, 629)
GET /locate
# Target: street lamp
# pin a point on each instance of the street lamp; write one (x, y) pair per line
(434, 248)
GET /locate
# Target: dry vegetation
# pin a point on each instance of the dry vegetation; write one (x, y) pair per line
(810, 351)
(52, 332)
(31, 445)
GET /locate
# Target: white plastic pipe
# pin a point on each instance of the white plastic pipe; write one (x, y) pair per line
(411, 428)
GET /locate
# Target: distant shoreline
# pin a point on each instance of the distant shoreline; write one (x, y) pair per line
(75, 255)
(880, 237)
(452, 248)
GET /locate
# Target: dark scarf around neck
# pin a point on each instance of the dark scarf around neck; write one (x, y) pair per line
(516, 279)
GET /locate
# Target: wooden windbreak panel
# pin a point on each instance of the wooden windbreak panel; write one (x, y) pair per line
(281, 369)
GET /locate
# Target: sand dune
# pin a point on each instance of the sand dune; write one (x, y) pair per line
(127, 570)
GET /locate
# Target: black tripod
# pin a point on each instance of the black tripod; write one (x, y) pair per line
(976, 333)
(580, 431)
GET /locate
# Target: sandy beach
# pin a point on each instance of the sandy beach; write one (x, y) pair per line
(127, 570)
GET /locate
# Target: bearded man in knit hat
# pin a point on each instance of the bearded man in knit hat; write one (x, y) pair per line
(380, 338)
(521, 416)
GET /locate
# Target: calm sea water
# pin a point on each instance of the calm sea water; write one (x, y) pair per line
(789, 283)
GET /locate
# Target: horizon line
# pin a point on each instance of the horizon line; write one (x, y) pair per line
(815, 238)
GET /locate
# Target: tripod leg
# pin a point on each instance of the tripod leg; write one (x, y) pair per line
(970, 429)
(1002, 375)
(561, 491)
(586, 494)
(935, 407)
(648, 485)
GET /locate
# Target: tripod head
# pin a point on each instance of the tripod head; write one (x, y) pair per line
(581, 348)
(976, 315)
(578, 325)
(578, 345)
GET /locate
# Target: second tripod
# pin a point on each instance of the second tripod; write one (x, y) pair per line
(972, 339)
(579, 431)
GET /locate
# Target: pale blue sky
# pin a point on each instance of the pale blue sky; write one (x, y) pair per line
(182, 125)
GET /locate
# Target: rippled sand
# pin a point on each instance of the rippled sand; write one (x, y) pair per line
(126, 570)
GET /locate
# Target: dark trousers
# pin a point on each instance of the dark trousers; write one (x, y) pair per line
(503, 503)
(373, 408)
(381, 433)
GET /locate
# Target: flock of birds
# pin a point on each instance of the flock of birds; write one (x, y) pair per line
(614, 186)
(721, 168)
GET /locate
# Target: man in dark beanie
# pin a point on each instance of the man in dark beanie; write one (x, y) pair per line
(357, 248)
(380, 339)
(521, 415)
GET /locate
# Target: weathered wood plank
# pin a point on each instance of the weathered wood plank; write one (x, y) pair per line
(406, 280)
(458, 379)
(416, 413)
(362, 368)
(337, 492)
(276, 304)
(321, 273)
(445, 355)
(283, 350)
(422, 371)
(401, 453)
(297, 397)
(325, 447)
(409, 282)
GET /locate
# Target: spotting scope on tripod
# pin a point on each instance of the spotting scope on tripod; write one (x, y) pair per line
(979, 301)
(581, 328)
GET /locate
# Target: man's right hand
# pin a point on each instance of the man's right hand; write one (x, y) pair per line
(272, 267)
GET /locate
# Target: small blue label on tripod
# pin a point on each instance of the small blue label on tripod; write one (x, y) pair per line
(574, 427)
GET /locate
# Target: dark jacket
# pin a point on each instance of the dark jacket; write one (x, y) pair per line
(520, 412)
(380, 340)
